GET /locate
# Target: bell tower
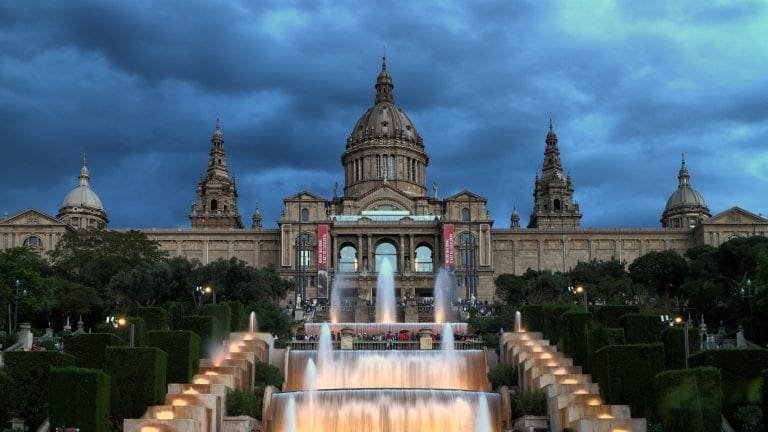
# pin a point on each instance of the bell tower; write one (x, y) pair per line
(553, 206)
(216, 205)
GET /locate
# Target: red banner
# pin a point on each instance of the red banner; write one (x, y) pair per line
(322, 247)
(450, 263)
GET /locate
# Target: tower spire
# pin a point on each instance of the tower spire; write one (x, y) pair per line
(384, 84)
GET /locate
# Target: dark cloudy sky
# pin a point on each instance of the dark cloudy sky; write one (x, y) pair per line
(137, 85)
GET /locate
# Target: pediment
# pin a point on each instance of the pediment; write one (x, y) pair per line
(385, 196)
(304, 196)
(466, 195)
(736, 216)
(31, 217)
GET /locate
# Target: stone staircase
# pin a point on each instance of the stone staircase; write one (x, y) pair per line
(200, 406)
(573, 400)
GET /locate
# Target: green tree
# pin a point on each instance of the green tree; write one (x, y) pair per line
(36, 291)
(511, 289)
(92, 257)
(607, 281)
(662, 272)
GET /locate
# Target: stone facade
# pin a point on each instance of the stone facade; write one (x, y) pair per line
(386, 213)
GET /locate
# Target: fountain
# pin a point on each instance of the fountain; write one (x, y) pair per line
(443, 295)
(340, 283)
(401, 390)
(252, 326)
(518, 322)
(385, 294)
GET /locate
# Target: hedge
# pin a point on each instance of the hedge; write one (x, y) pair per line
(156, 318)
(532, 317)
(599, 337)
(741, 373)
(89, 349)
(29, 375)
(690, 400)
(224, 317)
(5, 399)
(79, 398)
(529, 402)
(205, 328)
(674, 345)
(575, 329)
(625, 374)
(610, 315)
(765, 396)
(183, 349)
(552, 314)
(138, 380)
(176, 313)
(242, 402)
(237, 311)
(265, 374)
(641, 328)
(140, 331)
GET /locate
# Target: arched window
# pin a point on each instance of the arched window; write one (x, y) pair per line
(386, 251)
(467, 249)
(303, 245)
(214, 205)
(465, 214)
(556, 205)
(33, 242)
(423, 262)
(304, 214)
(348, 259)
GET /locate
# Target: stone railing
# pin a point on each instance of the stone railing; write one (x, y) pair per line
(382, 345)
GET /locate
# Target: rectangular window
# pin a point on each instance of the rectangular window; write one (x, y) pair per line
(378, 166)
(392, 167)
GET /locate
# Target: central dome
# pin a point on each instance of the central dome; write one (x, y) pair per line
(384, 148)
(384, 119)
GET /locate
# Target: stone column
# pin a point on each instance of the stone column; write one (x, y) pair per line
(402, 268)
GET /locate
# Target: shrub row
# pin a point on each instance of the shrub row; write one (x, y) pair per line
(183, 349)
(599, 337)
(205, 328)
(223, 316)
(29, 372)
(625, 374)
(89, 348)
(138, 380)
(575, 331)
(503, 374)
(690, 400)
(641, 328)
(674, 345)
(79, 398)
(155, 318)
(741, 373)
(238, 319)
(610, 315)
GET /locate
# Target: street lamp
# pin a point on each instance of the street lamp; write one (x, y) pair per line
(120, 323)
(580, 290)
(19, 295)
(748, 294)
(207, 290)
(686, 325)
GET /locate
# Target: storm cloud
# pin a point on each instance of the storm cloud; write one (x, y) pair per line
(137, 87)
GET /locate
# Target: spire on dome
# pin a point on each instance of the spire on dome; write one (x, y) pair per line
(683, 176)
(384, 84)
(84, 176)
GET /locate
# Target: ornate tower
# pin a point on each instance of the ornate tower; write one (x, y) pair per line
(685, 207)
(81, 207)
(553, 206)
(216, 205)
(384, 148)
(514, 220)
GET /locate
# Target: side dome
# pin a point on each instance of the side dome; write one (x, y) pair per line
(81, 207)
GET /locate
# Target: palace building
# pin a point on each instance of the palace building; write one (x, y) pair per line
(385, 213)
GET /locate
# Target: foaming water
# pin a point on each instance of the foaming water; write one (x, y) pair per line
(427, 369)
(252, 324)
(391, 410)
(325, 352)
(483, 418)
(310, 379)
(340, 282)
(518, 322)
(385, 294)
(443, 295)
(448, 344)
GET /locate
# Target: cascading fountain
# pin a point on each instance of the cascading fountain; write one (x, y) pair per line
(419, 390)
(385, 294)
(443, 295)
(340, 283)
(252, 324)
(518, 322)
